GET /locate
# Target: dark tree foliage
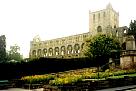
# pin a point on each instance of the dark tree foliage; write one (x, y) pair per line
(2, 48)
(132, 29)
(14, 54)
(100, 48)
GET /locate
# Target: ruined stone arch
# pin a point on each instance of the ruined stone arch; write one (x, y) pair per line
(44, 52)
(39, 53)
(99, 29)
(69, 49)
(63, 50)
(50, 50)
(56, 50)
(124, 31)
(77, 48)
(34, 53)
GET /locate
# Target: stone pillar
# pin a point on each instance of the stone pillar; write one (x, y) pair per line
(130, 43)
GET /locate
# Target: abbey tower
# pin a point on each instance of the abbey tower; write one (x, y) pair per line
(103, 20)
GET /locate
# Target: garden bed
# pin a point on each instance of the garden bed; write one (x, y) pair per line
(80, 79)
(96, 84)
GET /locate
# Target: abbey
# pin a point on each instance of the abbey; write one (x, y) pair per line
(105, 21)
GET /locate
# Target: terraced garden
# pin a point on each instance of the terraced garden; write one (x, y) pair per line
(75, 76)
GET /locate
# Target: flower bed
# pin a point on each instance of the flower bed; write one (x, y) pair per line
(74, 78)
(37, 79)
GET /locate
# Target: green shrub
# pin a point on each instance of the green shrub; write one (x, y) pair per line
(66, 80)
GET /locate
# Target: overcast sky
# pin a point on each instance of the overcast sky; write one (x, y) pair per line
(21, 20)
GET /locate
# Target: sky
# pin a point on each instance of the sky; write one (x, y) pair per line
(22, 20)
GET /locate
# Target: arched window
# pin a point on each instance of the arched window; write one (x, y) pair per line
(34, 53)
(45, 52)
(39, 52)
(69, 49)
(99, 29)
(76, 48)
(114, 26)
(63, 50)
(50, 52)
(56, 50)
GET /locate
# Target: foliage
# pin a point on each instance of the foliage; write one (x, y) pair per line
(14, 54)
(66, 77)
(2, 48)
(74, 76)
(122, 76)
(100, 46)
(116, 77)
(37, 78)
(66, 80)
(132, 28)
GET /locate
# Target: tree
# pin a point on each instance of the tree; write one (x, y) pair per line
(2, 48)
(14, 54)
(99, 48)
(132, 29)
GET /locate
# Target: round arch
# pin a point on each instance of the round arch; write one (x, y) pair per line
(45, 52)
(99, 29)
(50, 52)
(63, 50)
(69, 49)
(39, 53)
(77, 48)
(34, 53)
(56, 50)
